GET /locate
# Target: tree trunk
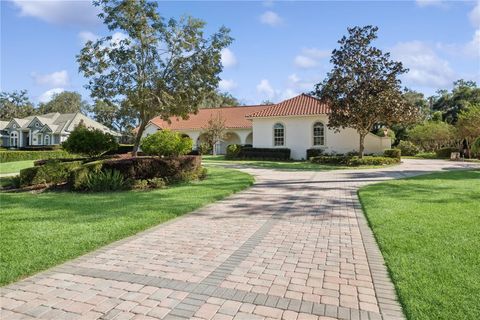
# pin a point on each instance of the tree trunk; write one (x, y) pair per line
(214, 149)
(138, 137)
(362, 145)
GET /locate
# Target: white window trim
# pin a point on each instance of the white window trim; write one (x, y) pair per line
(312, 134)
(14, 137)
(284, 135)
(45, 138)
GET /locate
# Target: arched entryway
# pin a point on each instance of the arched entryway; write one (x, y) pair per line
(249, 139)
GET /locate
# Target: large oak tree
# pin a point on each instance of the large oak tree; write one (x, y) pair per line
(363, 89)
(158, 67)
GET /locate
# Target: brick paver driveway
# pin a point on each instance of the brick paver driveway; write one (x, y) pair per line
(294, 246)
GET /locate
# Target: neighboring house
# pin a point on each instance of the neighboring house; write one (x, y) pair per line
(299, 123)
(44, 130)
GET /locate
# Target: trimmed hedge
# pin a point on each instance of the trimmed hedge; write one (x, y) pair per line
(263, 153)
(314, 152)
(232, 151)
(355, 161)
(444, 153)
(408, 148)
(53, 172)
(10, 156)
(392, 153)
(183, 168)
(122, 149)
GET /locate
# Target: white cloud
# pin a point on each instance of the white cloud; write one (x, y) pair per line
(54, 79)
(48, 95)
(288, 93)
(474, 16)
(473, 47)
(271, 18)
(228, 58)
(309, 57)
(426, 67)
(87, 36)
(60, 11)
(265, 89)
(227, 85)
(305, 62)
(430, 3)
(298, 84)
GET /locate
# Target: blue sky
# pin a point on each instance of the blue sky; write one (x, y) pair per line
(281, 48)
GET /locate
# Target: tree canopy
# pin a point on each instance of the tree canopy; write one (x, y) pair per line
(15, 104)
(158, 68)
(219, 99)
(363, 88)
(65, 102)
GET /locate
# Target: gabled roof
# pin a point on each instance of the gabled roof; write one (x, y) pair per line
(301, 105)
(234, 118)
(3, 124)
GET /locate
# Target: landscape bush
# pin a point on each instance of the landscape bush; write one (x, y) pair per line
(408, 148)
(107, 180)
(166, 143)
(330, 159)
(354, 161)
(392, 153)
(314, 152)
(51, 173)
(444, 153)
(263, 153)
(232, 151)
(18, 155)
(89, 142)
(205, 148)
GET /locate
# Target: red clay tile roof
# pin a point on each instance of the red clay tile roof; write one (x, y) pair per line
(234, 118)
(301, 105)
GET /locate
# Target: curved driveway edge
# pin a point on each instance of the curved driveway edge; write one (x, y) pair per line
(296, 245)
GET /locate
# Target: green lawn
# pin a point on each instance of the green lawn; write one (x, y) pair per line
(428, 229)
(281, 165)
(41, 230)
(14, 167)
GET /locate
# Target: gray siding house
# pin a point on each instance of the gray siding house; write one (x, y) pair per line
(44, 130)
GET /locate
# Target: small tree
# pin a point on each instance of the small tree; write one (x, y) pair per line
(432, 135)
(157, 67)
(89, 142)
(468, 124)
(363, 88)
(214, 132)
(166, 143)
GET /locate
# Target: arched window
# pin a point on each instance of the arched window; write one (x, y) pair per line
(13, 139)
(46, 139)
(278, 135)
(318, 134)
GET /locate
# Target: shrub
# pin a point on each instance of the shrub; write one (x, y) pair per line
(232, 151)
(392, 153)
(264, 153)
(108, 180)
(314, 153)
(476, 147)
(44, 161)
(444, 153)
(89, 142)
(122, 149)
(166, 143)
(10, 156)
(407, 148)
(205, 148)
(79, 176)
(53, 172)
(334, 159)
(372, 161)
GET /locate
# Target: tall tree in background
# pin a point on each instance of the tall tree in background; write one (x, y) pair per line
(219, 99)
(363, 88)
(464, 94)
(119, 118)
(65, 102)
(468, 125)
(15, 104)
(159, 68)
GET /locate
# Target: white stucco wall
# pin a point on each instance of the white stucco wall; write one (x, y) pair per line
(299, 136)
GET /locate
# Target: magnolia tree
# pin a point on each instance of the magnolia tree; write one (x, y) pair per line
(155, 67)
(363, 89)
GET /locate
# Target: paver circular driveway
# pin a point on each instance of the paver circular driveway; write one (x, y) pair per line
(294, 246)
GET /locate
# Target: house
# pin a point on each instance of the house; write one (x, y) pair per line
(299, 123)
(44, 130)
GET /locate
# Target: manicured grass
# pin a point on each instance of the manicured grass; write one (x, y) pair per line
(14, 167)
(41, 230)
(428, 229)
(280, 165)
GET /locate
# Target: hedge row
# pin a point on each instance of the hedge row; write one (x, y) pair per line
(355, 161)
(241, 152)
(10, 156)
(314, 153)
(53, 172)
